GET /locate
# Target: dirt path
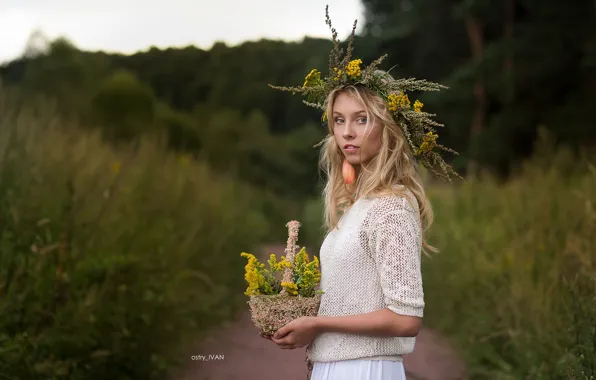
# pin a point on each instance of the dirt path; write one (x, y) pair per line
(239, 353)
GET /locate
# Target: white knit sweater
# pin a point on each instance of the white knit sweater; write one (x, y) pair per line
(371, 262)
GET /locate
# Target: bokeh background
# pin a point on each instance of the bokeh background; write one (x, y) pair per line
(133, 174)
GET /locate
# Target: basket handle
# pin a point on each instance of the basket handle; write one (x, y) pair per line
(290, 251)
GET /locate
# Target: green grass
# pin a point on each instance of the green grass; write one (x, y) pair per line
(515, 283)
(112, 260)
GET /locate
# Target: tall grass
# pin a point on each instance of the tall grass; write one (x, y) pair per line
(515, 283)
(111, 259)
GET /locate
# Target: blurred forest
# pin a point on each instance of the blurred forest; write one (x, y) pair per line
(511, 66)
(185, 126)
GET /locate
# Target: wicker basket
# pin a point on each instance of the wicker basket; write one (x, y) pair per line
(271, 312)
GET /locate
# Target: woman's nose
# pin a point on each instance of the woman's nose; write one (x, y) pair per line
(348, 132)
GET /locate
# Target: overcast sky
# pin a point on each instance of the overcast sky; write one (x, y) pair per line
(130, 25)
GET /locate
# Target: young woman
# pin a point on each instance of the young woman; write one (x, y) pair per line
(376, 214)
(373, 303)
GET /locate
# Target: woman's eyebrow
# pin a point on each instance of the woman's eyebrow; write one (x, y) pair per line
(353, 113)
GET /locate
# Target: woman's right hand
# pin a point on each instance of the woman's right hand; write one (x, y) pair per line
(264, 336)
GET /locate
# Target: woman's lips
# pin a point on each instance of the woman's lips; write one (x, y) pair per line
(348, 148)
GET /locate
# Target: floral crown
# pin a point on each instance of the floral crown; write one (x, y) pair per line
(418, 127)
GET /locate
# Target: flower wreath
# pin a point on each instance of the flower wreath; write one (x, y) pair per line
(418, 127)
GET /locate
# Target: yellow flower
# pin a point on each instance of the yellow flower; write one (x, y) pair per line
(404, 101)
(398, 100)
(257, 283)
(290, 287)
(273, 262)
(324, 116)
(278, 266)
(284, 264)
(353, 69)
(337, 73)
(392, 101)
(428, 143)
(309, 279)
(313, 78)
(418, 105)
(301, 258)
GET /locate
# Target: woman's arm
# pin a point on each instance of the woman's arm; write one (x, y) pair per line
(382, 322)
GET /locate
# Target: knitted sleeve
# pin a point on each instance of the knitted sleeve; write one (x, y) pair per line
(395, 243)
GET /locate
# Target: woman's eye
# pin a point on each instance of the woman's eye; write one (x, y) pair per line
(339, 120)
(362, 120)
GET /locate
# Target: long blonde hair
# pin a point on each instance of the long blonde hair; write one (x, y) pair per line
(393, 165)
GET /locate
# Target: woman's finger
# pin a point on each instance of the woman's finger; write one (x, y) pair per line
(264, 336)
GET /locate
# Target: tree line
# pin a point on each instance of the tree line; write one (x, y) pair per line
(511, 66)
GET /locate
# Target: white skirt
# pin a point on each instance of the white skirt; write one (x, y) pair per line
(359, 369)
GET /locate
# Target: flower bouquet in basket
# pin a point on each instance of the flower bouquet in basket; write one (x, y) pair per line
(285, 291)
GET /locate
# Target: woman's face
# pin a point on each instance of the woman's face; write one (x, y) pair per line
(358, 139)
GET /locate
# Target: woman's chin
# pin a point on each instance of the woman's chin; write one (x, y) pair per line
(352, 160)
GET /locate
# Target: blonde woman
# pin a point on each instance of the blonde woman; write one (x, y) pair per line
(376, 214)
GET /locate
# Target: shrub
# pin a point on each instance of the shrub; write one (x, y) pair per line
(111, 260)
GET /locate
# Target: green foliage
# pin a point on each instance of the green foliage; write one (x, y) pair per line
(540, 74)
(111, 260)
(65, 73)
(514, 285)
(313, 232)
(124, 106)
(207, 104)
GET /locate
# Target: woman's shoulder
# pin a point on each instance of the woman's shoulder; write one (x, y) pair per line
(399, 199)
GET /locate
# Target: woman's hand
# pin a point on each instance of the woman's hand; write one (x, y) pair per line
(297, 333)
(264, 336)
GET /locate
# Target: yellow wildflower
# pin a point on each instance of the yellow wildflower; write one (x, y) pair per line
(418, 105)
(398, 100)
(428, 143)
(392, 101)
(324, 116)
(273, 264)
(278, 266)
(337, 73)
(257, 284)
(309, 279)
(313, 78)
(403, 100)
(353, 69)
(284, 264)
(301, 258)
(291, 288)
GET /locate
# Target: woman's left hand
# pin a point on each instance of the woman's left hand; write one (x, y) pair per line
(297, 333)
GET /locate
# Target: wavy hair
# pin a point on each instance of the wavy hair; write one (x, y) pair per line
(394, 164)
